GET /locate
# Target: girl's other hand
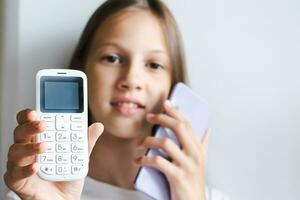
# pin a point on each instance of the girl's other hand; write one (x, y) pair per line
(186, 172)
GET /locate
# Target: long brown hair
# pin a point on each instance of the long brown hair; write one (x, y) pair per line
(156, 7)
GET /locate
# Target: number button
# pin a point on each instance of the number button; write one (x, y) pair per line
(62, 136)
(47, 136)
(77, 158)
(50, 147)
(77, 147)
(47, 158)
(76, 136)
(62, 147)
(62, 159)
(62, 170)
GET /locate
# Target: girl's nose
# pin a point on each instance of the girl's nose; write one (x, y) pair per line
(131, 77)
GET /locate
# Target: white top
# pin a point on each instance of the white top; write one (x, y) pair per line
(97, 190)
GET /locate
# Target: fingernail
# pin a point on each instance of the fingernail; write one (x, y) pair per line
(100, 126)
(33, 115)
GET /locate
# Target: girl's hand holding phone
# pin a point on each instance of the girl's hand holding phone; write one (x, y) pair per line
(186, 172)
(21, 170)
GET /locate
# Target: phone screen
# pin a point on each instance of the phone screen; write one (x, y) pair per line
(61, 94)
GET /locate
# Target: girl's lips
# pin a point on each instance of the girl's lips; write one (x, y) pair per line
(119, 100)
(125, 110)
(127, 106)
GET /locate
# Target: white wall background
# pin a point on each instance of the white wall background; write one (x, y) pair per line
(243, 57)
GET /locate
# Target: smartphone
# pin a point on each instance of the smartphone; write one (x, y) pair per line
(61, 101)
(197, 111)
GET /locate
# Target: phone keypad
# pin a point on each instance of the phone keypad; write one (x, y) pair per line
(66, 148)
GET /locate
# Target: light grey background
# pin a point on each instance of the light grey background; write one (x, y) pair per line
(243, 57)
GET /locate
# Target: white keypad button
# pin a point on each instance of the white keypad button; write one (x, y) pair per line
(50, 126)
(47, 118)
(77, 147)
(76, 126)
(50, 147)
(76, 136)
(77, 158)
(62, 147)
(62, 169)
(76, 169)
(62, 158)
(62, 122)
(62, 127)
(76, 118)
(48, 169)
(47, 136)
(47, 158)
(62, 136)
(62, 118)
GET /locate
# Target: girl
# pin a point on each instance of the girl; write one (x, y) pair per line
(132, 54)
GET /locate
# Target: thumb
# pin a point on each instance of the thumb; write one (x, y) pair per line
(95, 130)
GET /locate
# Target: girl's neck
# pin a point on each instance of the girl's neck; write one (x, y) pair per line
(112, 160)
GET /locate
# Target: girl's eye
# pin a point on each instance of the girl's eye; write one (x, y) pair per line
(111, 59)
(155, 66)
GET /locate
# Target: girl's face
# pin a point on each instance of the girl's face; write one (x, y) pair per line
(129, 73)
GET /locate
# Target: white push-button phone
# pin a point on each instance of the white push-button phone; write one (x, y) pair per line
(61, 101)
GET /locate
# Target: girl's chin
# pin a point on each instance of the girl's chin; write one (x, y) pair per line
(128, 130)
(125, 136)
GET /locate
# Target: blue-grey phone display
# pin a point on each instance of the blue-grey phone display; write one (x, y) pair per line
(61, 94)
